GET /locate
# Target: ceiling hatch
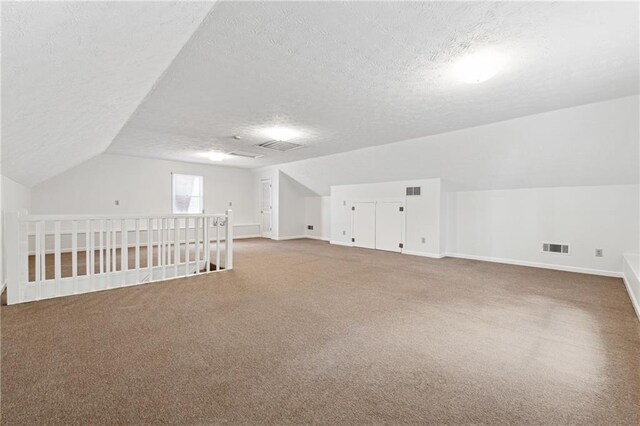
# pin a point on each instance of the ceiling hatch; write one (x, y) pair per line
(281, 146)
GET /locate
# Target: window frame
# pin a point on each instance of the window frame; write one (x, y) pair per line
(173, 193)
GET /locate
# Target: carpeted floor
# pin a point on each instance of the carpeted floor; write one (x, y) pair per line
(305, 332)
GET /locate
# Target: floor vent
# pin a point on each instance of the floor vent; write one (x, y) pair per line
(281, 146)
(245, 154)
(555, 248)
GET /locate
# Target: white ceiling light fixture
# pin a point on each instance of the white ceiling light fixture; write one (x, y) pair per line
(217, 156)
(281, 134)
(478, 67)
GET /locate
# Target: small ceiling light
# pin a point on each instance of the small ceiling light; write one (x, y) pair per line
(236, 137)
(217, 156)
(281, 134)
(478, 67)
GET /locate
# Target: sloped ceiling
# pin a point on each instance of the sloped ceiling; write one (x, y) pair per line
(357, 74)
(593, 144)
(74, 72)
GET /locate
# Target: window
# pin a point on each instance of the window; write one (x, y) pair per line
(187, 194)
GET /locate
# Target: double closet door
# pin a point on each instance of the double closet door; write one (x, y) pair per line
(378, 225)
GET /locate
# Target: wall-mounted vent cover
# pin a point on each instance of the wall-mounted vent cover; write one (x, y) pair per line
(555, 248)
(281, 146)
(413, 190)
(245, 154)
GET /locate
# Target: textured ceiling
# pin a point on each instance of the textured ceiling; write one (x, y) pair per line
(352, 75)
(74, 72)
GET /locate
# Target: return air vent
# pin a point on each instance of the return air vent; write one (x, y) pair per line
(555, 248)
(281, 146)
(245, 154)
(413, 190)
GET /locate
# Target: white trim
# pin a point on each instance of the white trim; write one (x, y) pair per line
(423, 254)
(142, 244)
(576, 269)
(4, 286)
(633, 275)
(314, 237)
(340, 243)
(293, 237)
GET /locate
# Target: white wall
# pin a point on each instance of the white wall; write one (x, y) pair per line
(318, 214)
(510, 225)
(422, 213)
(143, 186)
(15, 197)
(291, 202)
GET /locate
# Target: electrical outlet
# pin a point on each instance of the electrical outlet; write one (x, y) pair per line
(117, 202)
(344, 203)
(310, 227)
(344, 232)
(424, 240)
(230, 203)
(599, 253)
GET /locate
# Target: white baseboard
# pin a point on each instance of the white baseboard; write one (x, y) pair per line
(340, 243)
(565, 268)
(631, 278)
(293, 237)
(313, 237)
(423, 254)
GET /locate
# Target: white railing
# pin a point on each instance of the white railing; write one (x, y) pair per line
(58, 255)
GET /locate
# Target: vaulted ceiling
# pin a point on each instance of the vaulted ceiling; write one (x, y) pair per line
(79, 78)
(74, 72)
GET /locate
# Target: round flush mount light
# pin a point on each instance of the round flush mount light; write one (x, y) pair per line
(281, 134)
(478, 67)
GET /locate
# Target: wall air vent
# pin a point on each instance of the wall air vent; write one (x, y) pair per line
(555, 248)
(281, 146)
(245, 154)
(413, 190)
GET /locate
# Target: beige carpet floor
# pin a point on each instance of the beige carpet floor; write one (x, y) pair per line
(305, 332)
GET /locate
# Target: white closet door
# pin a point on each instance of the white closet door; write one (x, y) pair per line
(388, 226)
(266, 208)
(364, 225)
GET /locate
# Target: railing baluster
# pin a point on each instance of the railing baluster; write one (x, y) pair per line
(87, 240)
(108, 231)
(149, 249)
(92, 260)
(57, 256)
(186, 246)
(159, 254)
(229, 240)
(74, 255)
(38, 261)
(217, 221)
(101, 243)
(114, 247)
(207, 243)
(196, 234)
(176, 245)
(137, 252)
(124, 251)
(163, 248)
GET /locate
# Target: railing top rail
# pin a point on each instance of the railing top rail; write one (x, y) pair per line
(64, 217)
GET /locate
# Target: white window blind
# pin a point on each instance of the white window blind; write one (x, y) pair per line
(187, 193)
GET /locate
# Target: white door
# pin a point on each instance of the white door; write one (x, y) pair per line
(364, 225)
(265, 208)
(389, 225)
